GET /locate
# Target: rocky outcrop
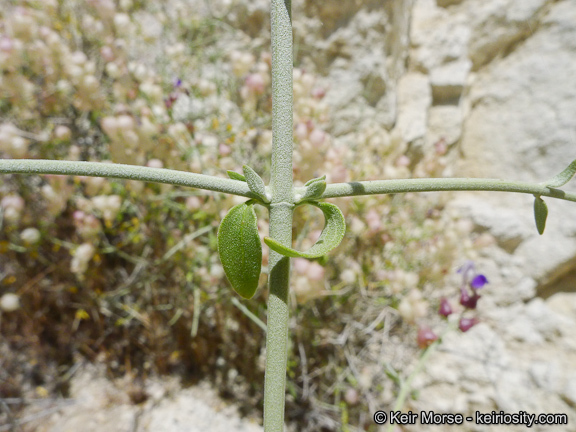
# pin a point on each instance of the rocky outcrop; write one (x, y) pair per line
(494, 80)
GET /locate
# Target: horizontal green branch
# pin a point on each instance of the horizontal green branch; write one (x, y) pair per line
(128, 172)
(235, 187)
(439, 184)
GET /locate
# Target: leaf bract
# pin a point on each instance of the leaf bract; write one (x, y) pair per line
(540, 214)
(255, 183)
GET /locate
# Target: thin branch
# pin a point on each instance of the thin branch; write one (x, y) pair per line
(217, 184)
(128, 172)
(337, 190)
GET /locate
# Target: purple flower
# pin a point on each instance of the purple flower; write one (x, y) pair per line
(177, 82)
(478, 282)
(472, 279)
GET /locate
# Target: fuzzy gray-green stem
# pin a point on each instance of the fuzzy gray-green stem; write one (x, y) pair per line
(277, 322)
(439, 184)
(128, 172)
(281, 209)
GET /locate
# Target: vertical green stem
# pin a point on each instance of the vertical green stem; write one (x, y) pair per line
(281, 209)
(282, 95)
(277, 333)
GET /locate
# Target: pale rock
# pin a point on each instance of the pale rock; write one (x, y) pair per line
(345, 89)
(333, 14)
(112, 419)
(448, 81)
(361, 51)
(478, 355)
(373, 75)
(497, 25)
(569, 391)
(526, 288)
(447, 3)
(414, 99)
(504, 223)
(193, 410)
(563, 307)
(535, 323)
(563, 303)
(478, 399)
(443, 400)
(548, 257)
(98, 404)
(439, 373)
(510, 391)
(524, 103)
(444, 123)
(425, 14)
(522, 329)
(547, 323)
(546, 374)
(343, 44)
(437, 37)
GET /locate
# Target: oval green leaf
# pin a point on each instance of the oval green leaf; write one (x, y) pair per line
(540, 214)
(255, 183)
(562, 178)
(240, 249)
(330, 238)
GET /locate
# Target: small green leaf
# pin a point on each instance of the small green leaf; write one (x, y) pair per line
(240, 249)
(309, 182)
(540, 213)
(314, 189)
(236, 176)
(255, 183)
(331, 236)
(562, 178)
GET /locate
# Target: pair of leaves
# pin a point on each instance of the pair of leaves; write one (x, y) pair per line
(240, 249)
(239, 244)
(540, 207)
